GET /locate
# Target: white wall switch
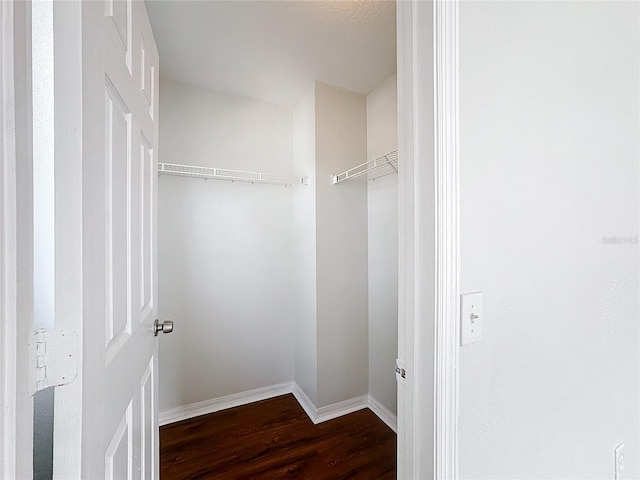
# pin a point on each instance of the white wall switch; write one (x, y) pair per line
(619, 455)
(470, 318)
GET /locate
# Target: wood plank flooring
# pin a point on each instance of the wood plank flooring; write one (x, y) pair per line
(274, 439)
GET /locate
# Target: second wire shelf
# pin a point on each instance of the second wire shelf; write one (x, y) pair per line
(384, 165)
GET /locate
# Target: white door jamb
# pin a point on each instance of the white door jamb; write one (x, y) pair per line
(428, 238)
(447, 239)
(16, 242)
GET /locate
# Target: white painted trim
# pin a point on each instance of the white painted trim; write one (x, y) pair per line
(383, 413)
(7, 249)
(16, 241)
(316, 415)
(72, 155)
(335, 410)
(222, 403)
(447, 237)
(428, 238)
(329, 412)
(416, 239)
(306, 404)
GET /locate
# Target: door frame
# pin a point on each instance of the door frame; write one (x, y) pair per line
(16, 241)
(428, 235)
(70, 302)
(428, 264)
(16, 228)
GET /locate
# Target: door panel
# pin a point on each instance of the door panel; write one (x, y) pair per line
(147, 191)
(148, 439)
(117, 165)
(119, 27)
(119, 454)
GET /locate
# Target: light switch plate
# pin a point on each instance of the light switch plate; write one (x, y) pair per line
(470, 318)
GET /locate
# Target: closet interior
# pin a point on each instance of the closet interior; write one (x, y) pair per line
(277, 240)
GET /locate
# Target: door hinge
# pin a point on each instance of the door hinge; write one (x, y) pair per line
(53, 359)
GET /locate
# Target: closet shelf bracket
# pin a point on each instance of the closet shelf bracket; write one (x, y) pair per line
(229, 175)
(381, 166)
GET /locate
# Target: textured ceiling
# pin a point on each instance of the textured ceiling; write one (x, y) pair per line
(273, 50)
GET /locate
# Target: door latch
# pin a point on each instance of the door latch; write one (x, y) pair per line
(164, 327)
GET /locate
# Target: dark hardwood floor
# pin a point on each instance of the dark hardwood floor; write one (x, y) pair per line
(274, 439)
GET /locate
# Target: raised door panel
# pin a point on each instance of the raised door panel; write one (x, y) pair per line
(118, 133)
(147, 417)
(119, 453)
(119, 16)
(147, 76)
(147, 191)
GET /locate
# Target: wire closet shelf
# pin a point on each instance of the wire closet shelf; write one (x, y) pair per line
(381, 166)
(229, 175)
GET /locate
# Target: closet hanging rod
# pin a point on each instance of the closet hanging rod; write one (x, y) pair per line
(229, 175)
(390, 160)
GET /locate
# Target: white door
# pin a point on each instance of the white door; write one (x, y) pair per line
(106, 422)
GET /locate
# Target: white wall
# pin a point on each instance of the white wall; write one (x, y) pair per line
(304, 244)
(341, 242)
(225, 261)
(382, 205)
(549, 167)
(266, 284)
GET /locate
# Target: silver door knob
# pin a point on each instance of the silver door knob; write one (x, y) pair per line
(164, 327)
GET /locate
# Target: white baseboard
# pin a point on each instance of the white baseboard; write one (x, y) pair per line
(306, 404)
(339, 409)
(383, 413)
(329, 412)
(317, 415)
(222, 403)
